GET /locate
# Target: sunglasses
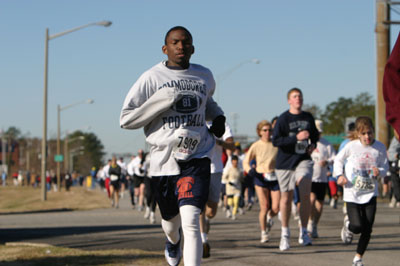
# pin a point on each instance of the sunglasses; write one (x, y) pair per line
(265, 130)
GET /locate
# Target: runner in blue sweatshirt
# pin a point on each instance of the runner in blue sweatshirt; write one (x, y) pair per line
(295, 135)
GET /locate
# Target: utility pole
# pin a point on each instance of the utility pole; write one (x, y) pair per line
(382, 31)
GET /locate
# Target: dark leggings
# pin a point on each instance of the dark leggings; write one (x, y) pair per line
(361, 217)
(150, 199)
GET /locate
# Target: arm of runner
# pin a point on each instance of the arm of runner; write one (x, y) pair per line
(134, 117)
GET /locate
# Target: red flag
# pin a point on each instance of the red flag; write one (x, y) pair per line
(391, 87)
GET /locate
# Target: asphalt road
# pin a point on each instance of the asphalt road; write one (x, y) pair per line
(232, 242)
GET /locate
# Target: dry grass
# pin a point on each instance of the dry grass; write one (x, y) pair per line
(28, 199)
(21, 254)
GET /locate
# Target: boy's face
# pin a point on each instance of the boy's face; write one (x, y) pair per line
(235, 163)
(295, 100)
(179, 48)
(366, 136)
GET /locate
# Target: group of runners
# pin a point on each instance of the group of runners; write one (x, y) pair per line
(187, 131)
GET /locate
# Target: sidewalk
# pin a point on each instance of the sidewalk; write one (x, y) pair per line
(232, 242)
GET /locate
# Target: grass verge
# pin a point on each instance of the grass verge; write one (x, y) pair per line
(28, 199)
(27, 254)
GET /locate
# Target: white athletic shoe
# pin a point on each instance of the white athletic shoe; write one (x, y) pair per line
(285, 243)
(228, 213)
(152, 218)
(264, 237)
(392, 203)
(270, 223)
(233, 217)
(147, 213)
(358, 263)
(346, 235)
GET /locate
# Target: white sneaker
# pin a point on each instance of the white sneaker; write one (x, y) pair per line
(285, 243)
(345, 234)
(147, 213)
(233, 217)
(270, 223)
(241, 211)
(264, 237)
(152, 218)
(392, 203)
(358, 263)
(228, 213)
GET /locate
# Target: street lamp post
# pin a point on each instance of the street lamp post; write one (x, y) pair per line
(59, 109)
(46, 62)
(224, 75)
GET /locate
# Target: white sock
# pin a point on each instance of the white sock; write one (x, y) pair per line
(193, 247)
(204, 237)
(171, 229)
(356, 258)
(285, 231)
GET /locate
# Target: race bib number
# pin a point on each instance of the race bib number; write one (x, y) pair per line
(301, 146)
(270, 176)
(363, 184)
(186, 144)
(114, 177)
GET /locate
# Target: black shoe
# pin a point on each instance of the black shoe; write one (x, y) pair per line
(206, 250)
(173, 252)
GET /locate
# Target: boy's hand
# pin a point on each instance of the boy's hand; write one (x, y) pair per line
(341, 181)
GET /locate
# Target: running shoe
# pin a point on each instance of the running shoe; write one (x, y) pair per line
(147, 213)
(206, 250)
(173, 252)
(264, 237)
(304, 239)
(249, 206)
(233, 216)
(228, 213)
(346, 235)
(314, 231)
(270, 223)
(358, 263)
(285, 243)
(152, 218)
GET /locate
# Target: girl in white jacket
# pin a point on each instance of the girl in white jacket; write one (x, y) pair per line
(366, 162)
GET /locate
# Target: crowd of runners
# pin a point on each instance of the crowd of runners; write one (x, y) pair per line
(194, 164)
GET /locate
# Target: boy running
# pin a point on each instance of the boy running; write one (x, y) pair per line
(172, 101)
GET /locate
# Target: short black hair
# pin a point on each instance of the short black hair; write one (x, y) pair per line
(234, 158)
(177, 28)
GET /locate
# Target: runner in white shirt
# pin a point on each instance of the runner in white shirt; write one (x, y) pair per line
(323, 156)
(172, 102)
(217, 167)
(366, 162)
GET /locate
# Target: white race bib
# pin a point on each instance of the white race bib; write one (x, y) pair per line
(113, 177)
(301, 146)
(186, 143)
(363, 184)
(270, 176)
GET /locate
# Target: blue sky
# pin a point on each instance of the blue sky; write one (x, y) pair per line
(326, 48)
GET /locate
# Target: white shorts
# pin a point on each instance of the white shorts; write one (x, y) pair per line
(215, 187)
(287, 178)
